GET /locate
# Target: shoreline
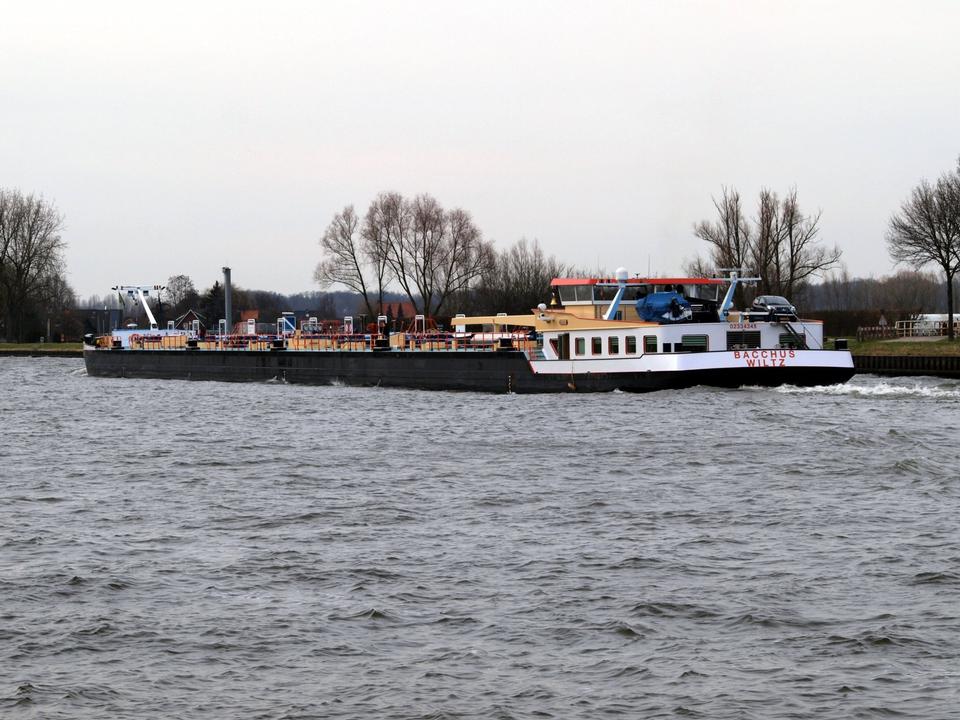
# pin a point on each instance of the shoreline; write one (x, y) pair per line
(942, 366)
(40, 352)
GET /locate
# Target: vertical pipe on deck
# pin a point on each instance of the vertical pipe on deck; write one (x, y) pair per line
(227, 309)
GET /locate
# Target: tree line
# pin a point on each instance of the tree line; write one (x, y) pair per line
(35, 297)
(429, 252)
(898, 296)
(440, 261)
(437, 258)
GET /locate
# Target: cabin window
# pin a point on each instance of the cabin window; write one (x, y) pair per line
(613, 345)
(695, 343)
(581, 346)
(743, 339)
(649, 343)
(667, 347)
(576, 293)
(794, 342)
(631, 344)
(596, 346)
(584, 293)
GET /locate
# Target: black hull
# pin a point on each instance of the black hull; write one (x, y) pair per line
(497, 372)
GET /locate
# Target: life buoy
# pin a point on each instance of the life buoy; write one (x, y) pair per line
(135, 339)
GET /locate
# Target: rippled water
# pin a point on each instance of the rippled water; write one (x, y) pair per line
(207, 550)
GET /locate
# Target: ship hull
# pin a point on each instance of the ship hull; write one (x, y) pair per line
(498, 372)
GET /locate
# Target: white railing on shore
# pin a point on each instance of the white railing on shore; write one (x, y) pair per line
(926, 328)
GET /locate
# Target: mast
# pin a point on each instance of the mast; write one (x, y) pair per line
(735, 279)
(140, 293)
(621, 276)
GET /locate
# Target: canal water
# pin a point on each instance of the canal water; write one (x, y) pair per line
(211, 550)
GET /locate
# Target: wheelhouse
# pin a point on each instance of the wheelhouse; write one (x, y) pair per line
(591, 297)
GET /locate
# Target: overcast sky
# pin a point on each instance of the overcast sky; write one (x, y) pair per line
(179, 137)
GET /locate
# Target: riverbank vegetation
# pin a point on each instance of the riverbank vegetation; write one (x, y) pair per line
(907, 347)
(35, 297)
(926, 231)
(410, 255)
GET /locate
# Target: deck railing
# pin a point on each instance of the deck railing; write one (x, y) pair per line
(402, 342)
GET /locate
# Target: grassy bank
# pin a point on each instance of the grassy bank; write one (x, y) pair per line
(45, 347)
(938, 347)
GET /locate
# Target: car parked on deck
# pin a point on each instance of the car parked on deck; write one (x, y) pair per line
(774, 307)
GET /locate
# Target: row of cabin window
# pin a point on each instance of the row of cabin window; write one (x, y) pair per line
(689, 343)
(613, 345)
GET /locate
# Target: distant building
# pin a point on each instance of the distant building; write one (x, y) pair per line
(398, 310)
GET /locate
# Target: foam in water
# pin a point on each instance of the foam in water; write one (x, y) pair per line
(873, 387)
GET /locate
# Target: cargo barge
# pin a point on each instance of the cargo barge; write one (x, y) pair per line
(598, 335)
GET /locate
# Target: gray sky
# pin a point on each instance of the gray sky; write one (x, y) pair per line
(176, 137)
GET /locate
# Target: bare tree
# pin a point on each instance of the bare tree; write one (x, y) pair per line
(425, 247)
(781, 245)
(432, 253)
(31, 254)
(466, 256)
(729, 235)
(927, 230)
(375, 245)
(11, 219)
(387, 233)
(518, 279)
(801, 256)
(344, 260)
(785, 250)
(765, 250)
(179, 289)
(698, 267)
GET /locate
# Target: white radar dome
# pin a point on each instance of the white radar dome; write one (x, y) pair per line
(620, 274)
